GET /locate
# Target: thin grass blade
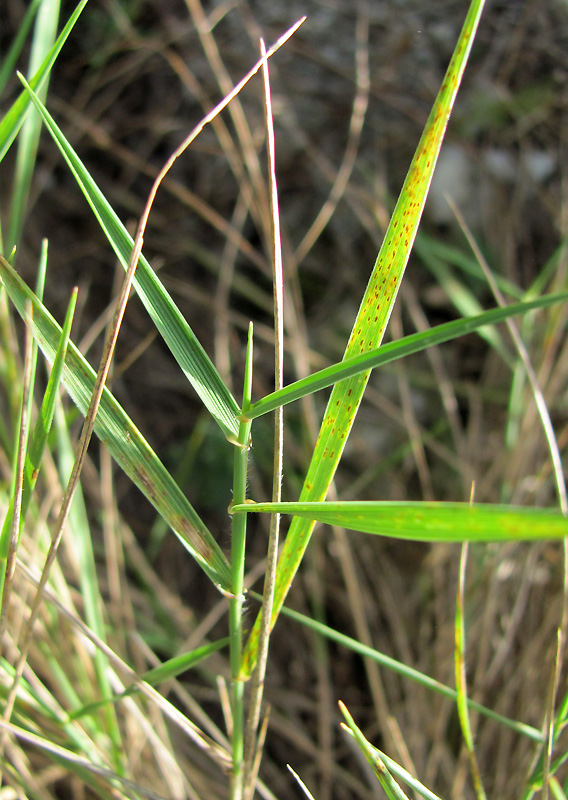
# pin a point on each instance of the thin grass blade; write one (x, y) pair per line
(409, 673)
(184, 345)
(466, 302)
(127, 445)
(14, 117)
(461, 678)
(403, 775)
(300, 783)
(45, 31)
(45, 418)
(169, 669)
(427, 521)
(390, 786)
(11, 57)
(371, 322)
(12, 522)
(39, 437)
(392, 351)
(86, 769)
(79, 531)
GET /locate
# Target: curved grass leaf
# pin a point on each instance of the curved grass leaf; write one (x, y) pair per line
(14, 117)
(392, 351)
(166, 316)
(427, 521)
(370, 324)
(123, 439)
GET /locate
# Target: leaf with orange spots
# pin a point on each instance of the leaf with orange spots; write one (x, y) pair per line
(429, 521)
(371, 322)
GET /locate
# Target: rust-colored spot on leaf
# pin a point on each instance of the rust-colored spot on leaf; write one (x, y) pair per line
(183, 526)
(149, 487)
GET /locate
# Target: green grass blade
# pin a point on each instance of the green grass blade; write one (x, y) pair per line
(79, 531)
(86, 769)
(38, 439)
(427, 521)
(45, 31)
(405, 776)
(461, 678)
(45, 418)
(14, 117)
(392, 351)
(9, 538)
(169, 669)
(371, 321)
(429, 248)
(390, 786)
(184, 345)
(13, 53)
(127, 445)
(465, 301)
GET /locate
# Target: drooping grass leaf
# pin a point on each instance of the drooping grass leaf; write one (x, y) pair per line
(14, 117)
(184, 345)
(392, 351)
(371, 322)
(427, 521)
(117, 431)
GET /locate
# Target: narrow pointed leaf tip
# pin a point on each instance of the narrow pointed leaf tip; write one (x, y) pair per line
(14, 117)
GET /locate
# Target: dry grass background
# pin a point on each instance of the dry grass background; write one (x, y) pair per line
(351, 92)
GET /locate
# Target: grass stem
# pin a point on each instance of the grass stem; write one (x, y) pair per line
(238, 542)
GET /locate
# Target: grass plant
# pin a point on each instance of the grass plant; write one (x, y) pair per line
(88, 705)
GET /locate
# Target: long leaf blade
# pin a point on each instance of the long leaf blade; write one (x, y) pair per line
(45, 31)
(392, 351)
(166, 316)
(371, 322)
(14, 117)
(427, 521)
(125, 442)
